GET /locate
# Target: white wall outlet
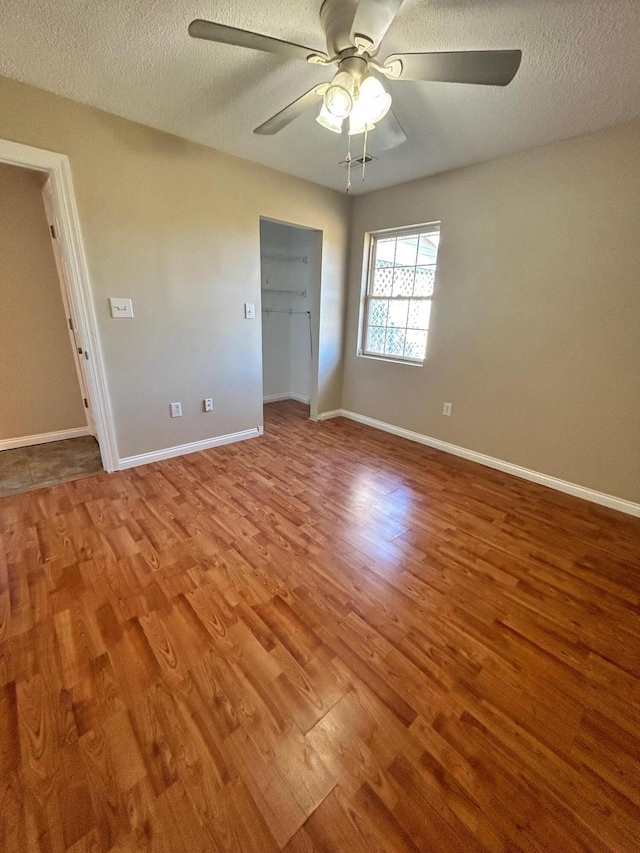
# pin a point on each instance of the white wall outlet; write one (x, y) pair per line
(208, 404)
(249, 310)
(176, 410)
(121, 307)
(446, 409)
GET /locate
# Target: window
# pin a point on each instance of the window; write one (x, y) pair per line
(400, 279)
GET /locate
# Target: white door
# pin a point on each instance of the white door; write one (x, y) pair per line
(80, 353)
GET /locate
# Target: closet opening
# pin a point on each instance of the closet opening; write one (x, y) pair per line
(290, 261)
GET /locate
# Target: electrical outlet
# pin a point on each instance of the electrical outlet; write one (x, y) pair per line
(176, 410)
(446, 409)
(208, 404)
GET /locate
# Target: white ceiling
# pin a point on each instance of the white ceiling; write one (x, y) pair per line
(580, 72)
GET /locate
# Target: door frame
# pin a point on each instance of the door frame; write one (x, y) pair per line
(70, 240)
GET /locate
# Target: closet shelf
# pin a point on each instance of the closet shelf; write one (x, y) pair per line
(285, 259)
(302, 293)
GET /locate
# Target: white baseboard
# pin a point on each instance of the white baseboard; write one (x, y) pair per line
(183, 449)
(334, 413)
(574, 489)
(43, 438)
(276, 398)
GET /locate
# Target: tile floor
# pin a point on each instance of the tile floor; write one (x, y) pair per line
(27, 468)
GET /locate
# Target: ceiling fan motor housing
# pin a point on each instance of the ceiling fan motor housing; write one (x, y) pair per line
(356, 66)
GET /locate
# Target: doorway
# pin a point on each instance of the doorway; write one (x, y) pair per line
(46, 427)
(290, 263)
(54, 168)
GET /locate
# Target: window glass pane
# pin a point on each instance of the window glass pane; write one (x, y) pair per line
(394, 344)
(419, 310)
(415, 344)
(378, 312)
(397, 316)
(425, 277)
(375, 339)
(428, 248)
(406, 251)
(382, 281)
(385, 252)
(403, 281)
(400, 287)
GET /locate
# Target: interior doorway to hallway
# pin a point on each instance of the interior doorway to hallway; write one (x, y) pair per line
(56, 326)
(47, 430)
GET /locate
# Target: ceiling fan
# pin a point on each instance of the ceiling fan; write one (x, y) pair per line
(354, 31)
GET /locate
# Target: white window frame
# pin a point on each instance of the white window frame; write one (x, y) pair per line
(367, 295)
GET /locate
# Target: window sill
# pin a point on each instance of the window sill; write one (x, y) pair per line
(389, 360)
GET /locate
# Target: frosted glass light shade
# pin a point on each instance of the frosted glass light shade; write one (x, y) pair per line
(358, 122)
(370, 107)
(370, 88)
(338, 99)
(329, 121)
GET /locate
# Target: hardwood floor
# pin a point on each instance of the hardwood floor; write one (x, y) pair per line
(328, 639)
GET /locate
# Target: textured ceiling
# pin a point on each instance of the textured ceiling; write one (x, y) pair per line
(580, 72)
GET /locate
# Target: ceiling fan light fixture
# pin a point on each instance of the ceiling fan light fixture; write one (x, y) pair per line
(370, 107)
(358, 123)
(330, 122)
(374, 100)
(338, 99)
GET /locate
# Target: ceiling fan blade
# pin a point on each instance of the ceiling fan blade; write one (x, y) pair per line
(390, 133)
(288, 114)
(210, 31)
(483, 67)
(373, 18)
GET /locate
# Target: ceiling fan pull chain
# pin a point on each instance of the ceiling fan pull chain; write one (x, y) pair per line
(347, 160)
(364, 153)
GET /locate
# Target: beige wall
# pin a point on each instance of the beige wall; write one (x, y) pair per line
(39, 390)
(535, 327)
(175, 226)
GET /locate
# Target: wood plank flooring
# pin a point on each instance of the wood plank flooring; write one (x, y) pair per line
(327, 639)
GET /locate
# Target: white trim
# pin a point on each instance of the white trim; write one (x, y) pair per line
(183, 449)
(43, 438)
(409, 230)
(574, 489)
(334, 413)
(276, 398)
(59, 170)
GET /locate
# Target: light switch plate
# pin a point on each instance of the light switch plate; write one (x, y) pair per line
(121, 307)
(249, 310)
